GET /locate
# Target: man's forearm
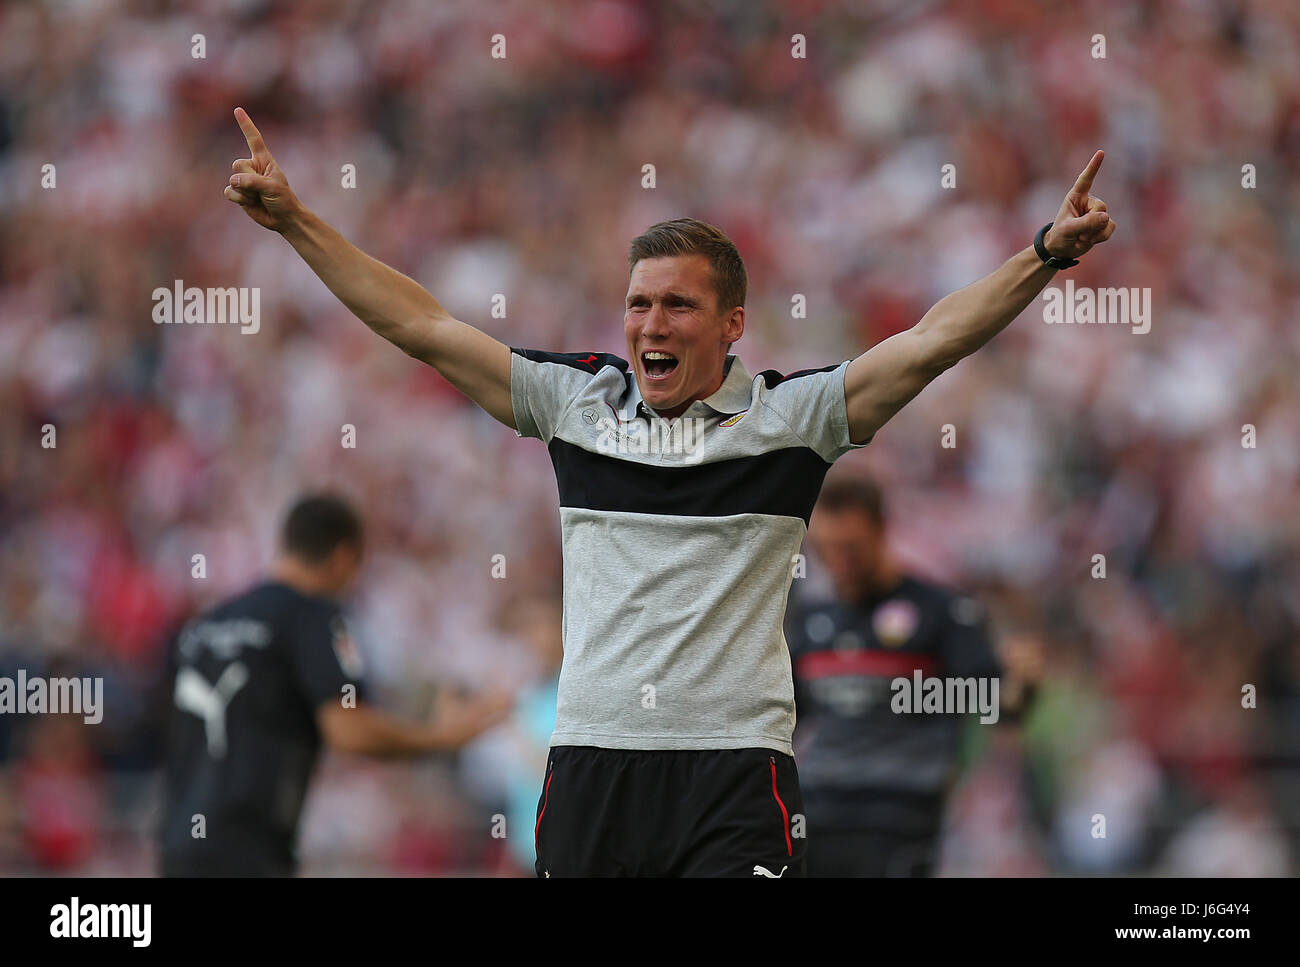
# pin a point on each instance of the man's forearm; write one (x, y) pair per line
(962, 322)
(392, 304)
(367, 731)
(891, 373)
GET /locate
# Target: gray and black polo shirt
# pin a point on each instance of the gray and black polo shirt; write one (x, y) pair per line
(679, 539)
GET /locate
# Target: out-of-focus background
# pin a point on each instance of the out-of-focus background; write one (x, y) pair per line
(523, 176)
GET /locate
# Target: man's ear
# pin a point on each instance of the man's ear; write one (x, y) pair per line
(734, 327)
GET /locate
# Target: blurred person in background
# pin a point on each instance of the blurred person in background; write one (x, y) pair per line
(876, 780)
(539, 620)
(1237, 836)
(259, 682)
(60, 795)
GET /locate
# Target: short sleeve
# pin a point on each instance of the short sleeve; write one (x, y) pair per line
(543, 385)
(322, 655)
(813, 404)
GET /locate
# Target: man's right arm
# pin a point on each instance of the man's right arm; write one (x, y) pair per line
(365, 730)
(403, 312)
(390, 303)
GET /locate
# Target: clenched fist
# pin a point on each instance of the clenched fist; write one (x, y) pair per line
(258, 186)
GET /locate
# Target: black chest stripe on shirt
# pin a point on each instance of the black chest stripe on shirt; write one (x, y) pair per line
(772, 378)
(587, 362)
(782, 483)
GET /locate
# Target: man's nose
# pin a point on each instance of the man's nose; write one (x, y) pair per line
(656, 322)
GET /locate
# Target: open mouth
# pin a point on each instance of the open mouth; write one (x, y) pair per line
(658, 365)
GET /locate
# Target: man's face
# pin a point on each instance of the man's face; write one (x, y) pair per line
(851, 546)
(677, 337)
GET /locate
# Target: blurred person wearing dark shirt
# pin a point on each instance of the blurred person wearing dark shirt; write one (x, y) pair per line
(257, 683)
(539, 621)
(875, 779)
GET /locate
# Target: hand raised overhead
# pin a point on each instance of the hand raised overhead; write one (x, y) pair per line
(1083, 220)
(258, 185)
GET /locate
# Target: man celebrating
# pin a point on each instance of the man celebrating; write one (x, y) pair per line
(686, 485)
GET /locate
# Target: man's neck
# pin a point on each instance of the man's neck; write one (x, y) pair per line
(884, 582)
(299, 576)
(681, 408)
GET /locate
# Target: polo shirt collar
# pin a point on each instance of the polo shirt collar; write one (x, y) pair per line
(733, 396)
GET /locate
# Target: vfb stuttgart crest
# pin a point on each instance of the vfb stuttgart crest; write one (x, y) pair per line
(894, 622)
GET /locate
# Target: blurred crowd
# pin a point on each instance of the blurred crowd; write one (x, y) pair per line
(523, 176)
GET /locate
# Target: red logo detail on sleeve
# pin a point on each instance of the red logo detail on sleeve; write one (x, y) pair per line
(588, 361)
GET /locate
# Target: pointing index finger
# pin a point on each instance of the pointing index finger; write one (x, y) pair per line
(252, 135)
(1084, 183)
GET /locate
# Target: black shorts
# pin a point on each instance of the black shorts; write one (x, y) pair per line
(625, 812)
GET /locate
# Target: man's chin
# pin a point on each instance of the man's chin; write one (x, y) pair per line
(660, 405)
(665, 394)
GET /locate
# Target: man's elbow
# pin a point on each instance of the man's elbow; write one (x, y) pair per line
(418, 339)
(937, 350)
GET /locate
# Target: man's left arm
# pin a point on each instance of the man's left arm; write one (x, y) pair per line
(884, 379)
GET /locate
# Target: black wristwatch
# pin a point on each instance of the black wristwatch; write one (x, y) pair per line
(1047, 257)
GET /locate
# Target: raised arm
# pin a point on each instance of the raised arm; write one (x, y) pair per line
(390, 303)
(890, 374)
